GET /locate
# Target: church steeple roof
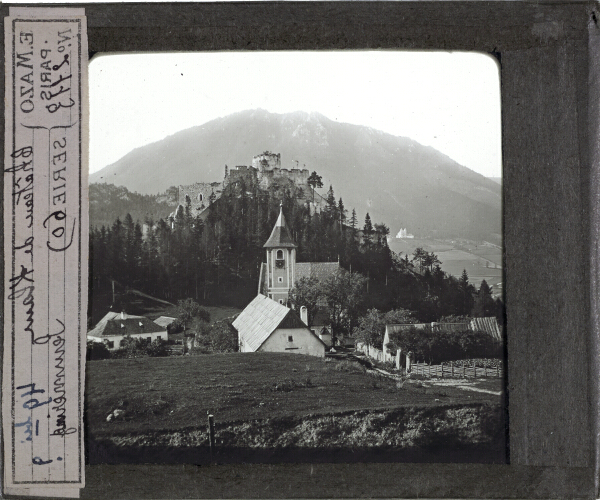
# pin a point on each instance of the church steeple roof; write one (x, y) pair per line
(280, 236)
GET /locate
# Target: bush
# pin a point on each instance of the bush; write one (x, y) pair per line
(220, 337)
(158, 348)
(96, 350)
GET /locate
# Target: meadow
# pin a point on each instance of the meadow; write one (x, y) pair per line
(276, 407)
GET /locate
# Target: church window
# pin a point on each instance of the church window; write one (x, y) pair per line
(279, 261)
(200, 197)
(280, 279)
(290, 338)
(281, 301)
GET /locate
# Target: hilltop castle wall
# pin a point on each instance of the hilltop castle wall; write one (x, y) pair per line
(248, 174)
(265, 171)
(298, 176)
(199, 194)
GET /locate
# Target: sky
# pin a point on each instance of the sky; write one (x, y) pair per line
(447, 100)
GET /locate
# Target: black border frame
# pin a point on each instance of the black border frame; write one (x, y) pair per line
(550, 74)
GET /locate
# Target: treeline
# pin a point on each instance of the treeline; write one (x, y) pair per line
(108, 202)
(215, 257)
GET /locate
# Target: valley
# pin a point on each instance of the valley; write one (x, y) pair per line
(481, 260)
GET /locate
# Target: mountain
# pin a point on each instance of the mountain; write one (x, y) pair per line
(397, 180)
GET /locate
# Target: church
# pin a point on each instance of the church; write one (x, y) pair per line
(267, 324)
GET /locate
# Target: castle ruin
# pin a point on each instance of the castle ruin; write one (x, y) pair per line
(265, 172)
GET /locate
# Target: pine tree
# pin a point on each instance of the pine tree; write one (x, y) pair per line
(367, 231)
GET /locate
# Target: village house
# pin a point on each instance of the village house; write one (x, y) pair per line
(265, 325)
(277, 277)
(114, 327)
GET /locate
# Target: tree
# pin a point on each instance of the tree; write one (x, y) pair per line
(219, 337)
(371, 326)
(367, 230)
(466, 291)
(188, 309)
(353, 220)
(342, 211)
(306, 292)
(315, 181)
(484, 303)
(331, 207)
(420, 256)
(343, 293)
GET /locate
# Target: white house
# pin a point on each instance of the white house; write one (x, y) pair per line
(114, 327)
(266, 325)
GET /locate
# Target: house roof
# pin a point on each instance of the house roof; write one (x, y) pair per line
(261, 318)
(108, 316)
(280, 236)
(114, 324)
(319, 270)
(488, 325)
(164, 321)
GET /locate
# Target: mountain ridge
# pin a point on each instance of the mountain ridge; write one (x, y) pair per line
(397, 180)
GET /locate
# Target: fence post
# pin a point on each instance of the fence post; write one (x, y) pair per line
(452, 368)
(464, 371)
(497, 370)
(211, 435)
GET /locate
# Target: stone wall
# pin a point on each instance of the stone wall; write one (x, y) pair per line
(199, 194)
(248, 174)
(298, 176)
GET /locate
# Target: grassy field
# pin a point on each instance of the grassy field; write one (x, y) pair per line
(274, 408)
(177, 392)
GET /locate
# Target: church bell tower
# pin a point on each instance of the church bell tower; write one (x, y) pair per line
(281, 261)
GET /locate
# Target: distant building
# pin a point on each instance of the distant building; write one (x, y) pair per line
(114, 327)
(164, 321)
(403, 233)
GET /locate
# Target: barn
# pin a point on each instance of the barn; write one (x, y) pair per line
(265, 325)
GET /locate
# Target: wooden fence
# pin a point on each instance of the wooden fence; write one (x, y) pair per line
(450, 370)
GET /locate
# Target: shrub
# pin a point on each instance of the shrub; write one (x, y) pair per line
(96, 350)
(158, 348)
(220, 337)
